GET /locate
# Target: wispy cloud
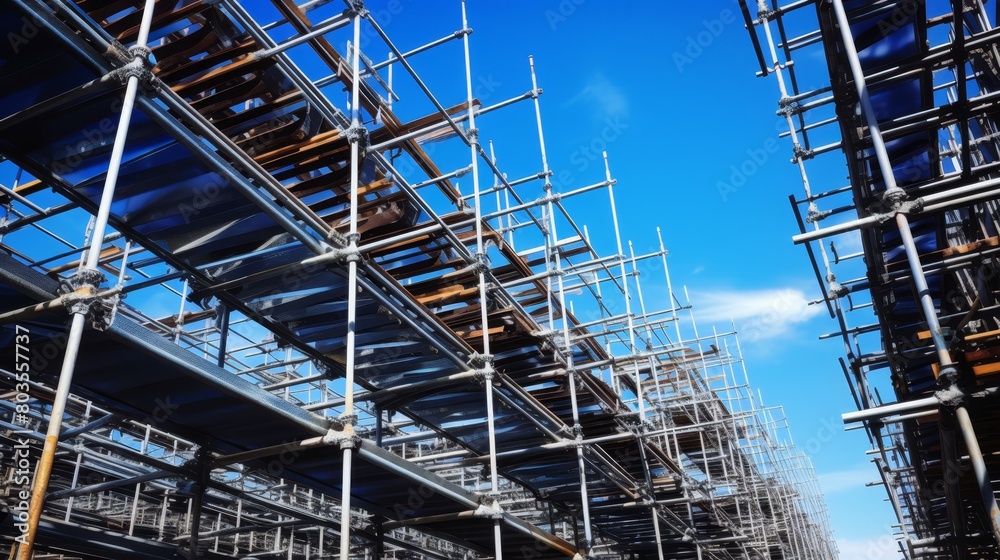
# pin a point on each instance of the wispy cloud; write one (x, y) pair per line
(847, 480)
(759, 314)
(602, 98)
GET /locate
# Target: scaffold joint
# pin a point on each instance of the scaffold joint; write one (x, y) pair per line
(79, 295)
(802, 154)
(836, 290)
(483, 367)
(482, 261)
(345, 439)
(135, 61)
(356, 8)
(357, 133)
(815, 214)
(894, 202)
(764, 14)
(788, 107)
(951, 396)
(351, 253)
(489, 508)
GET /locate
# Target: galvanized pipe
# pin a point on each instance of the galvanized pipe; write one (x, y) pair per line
(348, 418)
(44, 469)
(552, 240)
(482, 263)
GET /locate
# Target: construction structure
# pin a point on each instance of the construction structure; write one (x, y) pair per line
(909, 95)
(241, 320)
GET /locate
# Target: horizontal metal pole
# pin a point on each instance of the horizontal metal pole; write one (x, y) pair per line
(295, 381)
(104, 420)
(336, 22)
(392, 58)
(83, 490)
(514, 183)
(57, 304)
(444, 124)
(932, 203)
(885, 411)
(429, 519)
(272, 450)
(445, 177)
(543, 200)
(581, 268)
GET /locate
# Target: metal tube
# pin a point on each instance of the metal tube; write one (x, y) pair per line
(979, 467)
(885, 411)
(422, 48)
(473, 140)
(882, 155)
(552, 241)
(331, 24)
(44, 468)
(347, 418)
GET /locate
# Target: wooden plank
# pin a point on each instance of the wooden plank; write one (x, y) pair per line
(108, 253)
(986, 369)
(970, 247)
(980, 337)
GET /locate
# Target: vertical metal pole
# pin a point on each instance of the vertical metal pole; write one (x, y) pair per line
(979, 467)
(44, 469)
(496, 189)
(179, 325)
(640, 440)
(76, 468)
(223, 322)
(481, 262)
(658, 413)
(347, 418)
(552, 235)
(388, 101)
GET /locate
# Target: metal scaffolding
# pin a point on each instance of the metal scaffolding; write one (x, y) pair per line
(911, 101)
(312, 344)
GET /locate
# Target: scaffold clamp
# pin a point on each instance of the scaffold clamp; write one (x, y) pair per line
(489, 508)
(346, 438)
(357, 134)
(951, 396)
(79, 295)
(788, 107)
(135, 61)
(815, 214)
(356, 8)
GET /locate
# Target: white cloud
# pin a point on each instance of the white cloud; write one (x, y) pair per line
(602, 97)
(759, 314)
(843, 481)
(879, 547)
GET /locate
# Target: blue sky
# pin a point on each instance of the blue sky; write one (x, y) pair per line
(669, 89)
